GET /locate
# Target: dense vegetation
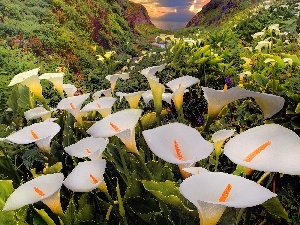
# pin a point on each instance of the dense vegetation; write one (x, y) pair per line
(257, 49)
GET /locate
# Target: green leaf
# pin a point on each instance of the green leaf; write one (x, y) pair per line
(167, 192)
(85, 214)
(260, 79)
(274, 207)
(295, 59)
(26, 98)
(160, 171)
(297, 110)
(56, 168)
(10, 217)
(71, 212)
(45, 217)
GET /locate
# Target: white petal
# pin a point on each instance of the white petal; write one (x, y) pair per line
(222, 135)
(23, 76)
(42, 130)
(26, 194)
(35, 113)
(87, 146)
(217, 99)
(282, 155)
(86, 176)
(70, 89)
(208, 187)
(72, 104)
(184, 81)
(195, 170)
(161, 141)
(101, 103)
(122, 120)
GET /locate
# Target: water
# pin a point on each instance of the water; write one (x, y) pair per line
(168, 25)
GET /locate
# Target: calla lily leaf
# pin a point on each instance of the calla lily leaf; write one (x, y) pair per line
(274, 206)
(45, 216)
(167, 192)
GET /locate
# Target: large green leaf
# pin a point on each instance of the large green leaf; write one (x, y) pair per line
(274, 207)
(167, 192)
(160, 171)
(10, 217)
(45, 217)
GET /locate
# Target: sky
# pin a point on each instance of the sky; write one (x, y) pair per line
(180, 11)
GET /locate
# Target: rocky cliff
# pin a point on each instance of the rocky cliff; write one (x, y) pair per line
(213, 11)
(135, 13)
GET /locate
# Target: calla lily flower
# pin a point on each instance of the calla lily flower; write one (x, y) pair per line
(56, 79)
(109, 54)
(195, 170)
(70, 89)
(268, 147)
(38, 112)
(31, 80)
(219, 138)
(121, 124)
(177, 143)
(150, 71)
(88, 147)
(157, 90)
(132, 98)
(86, 176)
(113, 79)
(217, 99)
(178, 87)
(257, 34)
(100, 58)
(43, 188)
(147, 97)
(73, 105)
(102, 105)
(262, 44)
(40, 133)
(106, 93)
(219, 190)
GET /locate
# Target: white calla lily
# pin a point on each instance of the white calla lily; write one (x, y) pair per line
(177, 143)
(70, 89)
(38, 189)
(31, 80)
(132, 98)
(86, 176)
(219, 190)
(56, 79)
(39, 133)
(122, 124)
(88, 147)
(217, 99)
(38, 112)
(73, 105)
(102, 105)
(269, 147)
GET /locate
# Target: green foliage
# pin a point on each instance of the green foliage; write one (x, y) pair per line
(141, 189)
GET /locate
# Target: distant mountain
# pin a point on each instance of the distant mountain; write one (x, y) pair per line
(135, 13)
(213, 12)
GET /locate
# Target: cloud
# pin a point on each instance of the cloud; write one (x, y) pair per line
(182, 15)
(172, 10)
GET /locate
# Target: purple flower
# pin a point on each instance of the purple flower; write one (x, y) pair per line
(200, 120)
(228, 82)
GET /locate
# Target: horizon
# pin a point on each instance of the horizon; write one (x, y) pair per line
(172, 14)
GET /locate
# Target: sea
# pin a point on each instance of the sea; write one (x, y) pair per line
(168, 25)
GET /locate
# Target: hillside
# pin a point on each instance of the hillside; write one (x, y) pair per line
(138, 132)
(70, 33)
(216, 10)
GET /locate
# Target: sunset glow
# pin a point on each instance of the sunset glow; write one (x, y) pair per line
(159, 8)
